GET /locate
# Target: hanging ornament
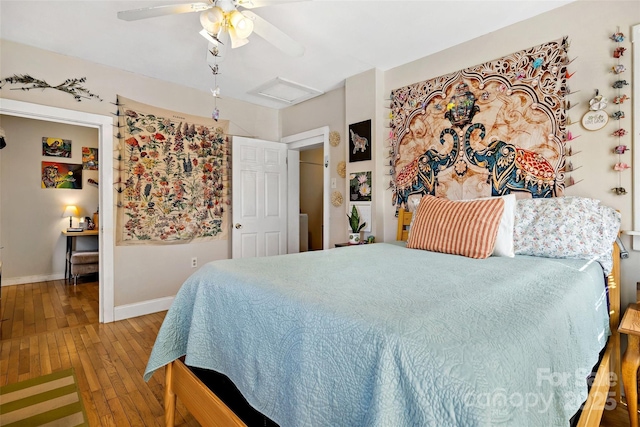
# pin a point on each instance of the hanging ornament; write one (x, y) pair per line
(341, 168)
(617, 37)
(618, 69)
(334, 138)
(336, 199)
(618, 52)
(216, 114)
(620, 149)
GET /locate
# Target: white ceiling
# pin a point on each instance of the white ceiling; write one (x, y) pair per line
(341, 38)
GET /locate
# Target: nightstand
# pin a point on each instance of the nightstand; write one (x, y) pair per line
(630, 326)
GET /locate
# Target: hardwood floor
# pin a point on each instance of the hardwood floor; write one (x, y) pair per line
(51, 326)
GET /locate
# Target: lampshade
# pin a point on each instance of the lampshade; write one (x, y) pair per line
(212, 20)
(242, 25)
(70, 210)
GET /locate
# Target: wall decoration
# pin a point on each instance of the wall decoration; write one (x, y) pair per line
(90, 158)
(336, 198)
(71, 86)
(596, 117)
(360, 141)
(619, 134)
(174, 172)
(341, 168)
(360, 187)
(56, 147)
(492, 129)
(61, 175)
(334, 138)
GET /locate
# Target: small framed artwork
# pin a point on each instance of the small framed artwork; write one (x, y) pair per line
(90, 158)
(360, 187)
(61, 175)
(56, 147)
(360, 141)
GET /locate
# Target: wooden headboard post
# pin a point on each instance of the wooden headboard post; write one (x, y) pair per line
(613, 283)
(404, 221)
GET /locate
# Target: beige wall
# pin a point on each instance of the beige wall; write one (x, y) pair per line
(149, 272)
(588, 24)
(32, 220)
(325, 110)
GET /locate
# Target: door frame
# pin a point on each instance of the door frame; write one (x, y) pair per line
(104, 124)
(299, 142)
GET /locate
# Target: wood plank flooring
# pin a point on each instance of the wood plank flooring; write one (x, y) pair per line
(52, 326)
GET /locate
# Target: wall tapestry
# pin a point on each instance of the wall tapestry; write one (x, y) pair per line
(173, 185)
(61, 175)
(56, 147)
(360, 141)
(488, 130)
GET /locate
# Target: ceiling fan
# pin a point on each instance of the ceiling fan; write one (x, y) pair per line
(224, 23)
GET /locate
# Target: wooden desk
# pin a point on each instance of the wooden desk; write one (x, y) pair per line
(71, 237)
(630, 325)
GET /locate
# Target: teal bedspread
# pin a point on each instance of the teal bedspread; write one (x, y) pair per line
(381, 335)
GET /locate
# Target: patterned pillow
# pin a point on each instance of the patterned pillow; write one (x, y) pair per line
(467, 228)
(504, 238)
(566, 227)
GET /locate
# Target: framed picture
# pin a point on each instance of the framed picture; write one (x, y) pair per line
(61, 175)
(56, 147)
(360, 141)
(90, 158)
(360, 187)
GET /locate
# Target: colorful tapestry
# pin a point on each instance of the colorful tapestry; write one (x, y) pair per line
(488, 130)
(173, 185)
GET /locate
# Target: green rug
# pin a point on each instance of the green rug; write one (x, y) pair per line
(49, 400)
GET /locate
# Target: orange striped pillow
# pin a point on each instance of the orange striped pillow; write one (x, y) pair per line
(466, 228)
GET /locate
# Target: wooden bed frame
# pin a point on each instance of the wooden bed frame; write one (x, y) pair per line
(209, 410)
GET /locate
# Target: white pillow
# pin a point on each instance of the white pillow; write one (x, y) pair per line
(504, 239)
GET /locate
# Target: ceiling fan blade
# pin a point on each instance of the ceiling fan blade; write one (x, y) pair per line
(153, 12)
(273, 35)
(252, 4)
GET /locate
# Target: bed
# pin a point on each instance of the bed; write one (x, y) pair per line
(330, 343)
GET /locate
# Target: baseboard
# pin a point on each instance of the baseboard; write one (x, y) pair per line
(31, 279)
(128, 311)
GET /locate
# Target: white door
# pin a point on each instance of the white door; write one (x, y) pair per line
(259, 198)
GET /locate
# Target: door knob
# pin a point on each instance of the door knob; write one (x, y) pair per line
(238, 226)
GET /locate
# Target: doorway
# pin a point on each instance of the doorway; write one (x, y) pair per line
(106, 243)
(311, 193)
(298, 144)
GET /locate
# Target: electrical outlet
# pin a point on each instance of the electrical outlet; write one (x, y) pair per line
(194, 262)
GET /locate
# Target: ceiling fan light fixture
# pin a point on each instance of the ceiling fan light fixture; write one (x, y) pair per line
(235, 40)
(212, 20)
(242, 25)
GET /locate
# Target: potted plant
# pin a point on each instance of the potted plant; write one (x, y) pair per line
(357, 235)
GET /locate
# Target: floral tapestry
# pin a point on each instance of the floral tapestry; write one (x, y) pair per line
(488, 130)
(173, 176)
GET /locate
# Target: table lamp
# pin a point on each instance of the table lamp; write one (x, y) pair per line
(70, 211)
